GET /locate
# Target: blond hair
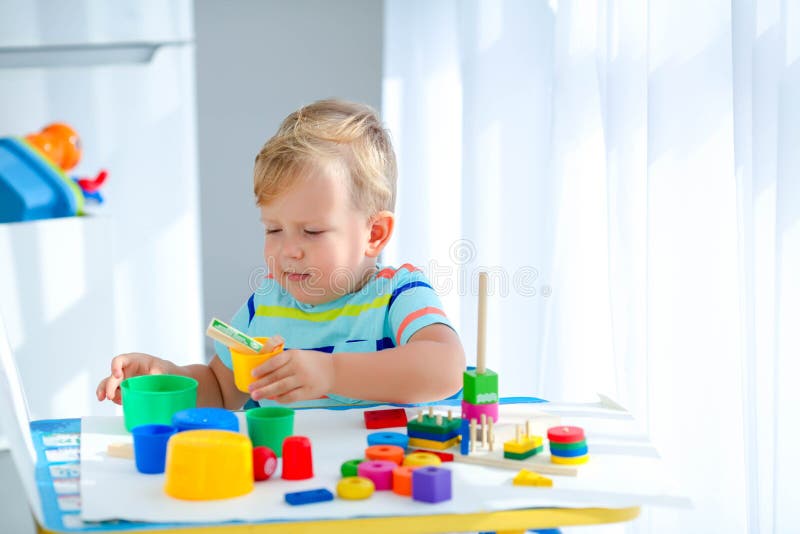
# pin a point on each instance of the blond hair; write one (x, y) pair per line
(331, 134)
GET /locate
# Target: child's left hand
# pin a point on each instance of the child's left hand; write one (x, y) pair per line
(294, 375)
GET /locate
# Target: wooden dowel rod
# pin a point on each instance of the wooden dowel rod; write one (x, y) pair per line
(483, 279)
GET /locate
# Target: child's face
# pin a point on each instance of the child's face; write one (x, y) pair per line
(316, 241)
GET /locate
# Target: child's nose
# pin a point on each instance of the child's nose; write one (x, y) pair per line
(292, 250)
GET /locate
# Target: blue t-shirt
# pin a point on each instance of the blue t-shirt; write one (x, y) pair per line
(391, 307)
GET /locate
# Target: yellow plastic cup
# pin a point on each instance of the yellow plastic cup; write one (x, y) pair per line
(208, 464)
(245, 362)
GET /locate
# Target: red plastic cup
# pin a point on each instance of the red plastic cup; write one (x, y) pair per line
(297, 461)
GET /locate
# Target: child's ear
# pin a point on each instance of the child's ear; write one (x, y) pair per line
(381, 227)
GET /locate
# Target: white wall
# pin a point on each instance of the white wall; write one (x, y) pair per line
(257, 61)
(127, 280)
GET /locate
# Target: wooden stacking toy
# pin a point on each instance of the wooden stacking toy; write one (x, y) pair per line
(568, 445)
(429, 431)
(523, 446)
(481, 391)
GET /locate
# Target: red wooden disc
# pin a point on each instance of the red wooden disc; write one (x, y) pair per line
(565, 434)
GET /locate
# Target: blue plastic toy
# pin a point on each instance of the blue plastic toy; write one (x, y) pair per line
(308, 497)
(205, 418)
(33, 188)
(33, 180)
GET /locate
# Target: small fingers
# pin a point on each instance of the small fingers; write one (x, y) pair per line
(273, 343)
(275, 389)
(269, 366)
(118, 366)
(101, 390)
(294, 395)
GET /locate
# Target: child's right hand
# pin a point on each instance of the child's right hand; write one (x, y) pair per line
(128, 365)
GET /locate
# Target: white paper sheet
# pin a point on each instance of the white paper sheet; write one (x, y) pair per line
(624, 470)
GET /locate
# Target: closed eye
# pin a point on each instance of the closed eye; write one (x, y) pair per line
(313, 232)
(273, 230)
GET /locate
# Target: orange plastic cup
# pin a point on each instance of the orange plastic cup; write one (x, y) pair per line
(245, 362)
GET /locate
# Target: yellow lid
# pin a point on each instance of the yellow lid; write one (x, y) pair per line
(208, 464)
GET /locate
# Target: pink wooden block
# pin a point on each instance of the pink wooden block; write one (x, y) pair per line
(379, 472)
(474, 411)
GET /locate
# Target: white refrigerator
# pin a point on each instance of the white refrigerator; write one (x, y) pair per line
(75, 292)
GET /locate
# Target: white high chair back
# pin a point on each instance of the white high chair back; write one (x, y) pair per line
(15, 422)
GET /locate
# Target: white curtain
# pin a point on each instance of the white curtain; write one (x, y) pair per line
(629, 172)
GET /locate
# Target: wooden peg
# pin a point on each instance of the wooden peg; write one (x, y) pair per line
(483, 278)
(472, 434)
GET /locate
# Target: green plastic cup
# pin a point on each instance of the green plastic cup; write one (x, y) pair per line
(154, 399)
(269, 426)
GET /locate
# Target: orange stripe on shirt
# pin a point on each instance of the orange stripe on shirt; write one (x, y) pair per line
(415, 315)
(389, 272)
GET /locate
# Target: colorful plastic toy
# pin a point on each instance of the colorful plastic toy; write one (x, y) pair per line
(33, 180)
(297, 460)
(530, 478)
(568, 445)
(391, 418)
(421, 459)
(401, 480)
(308, 497)
(350, 467)
(391, 453)
(265, 462)
(388, 438)
(205, 418)
(443, 456)
(208, 464)
(150, 447)
(245, 362)
(379, 472)
(269, 426)
(154, 399)
(355, 488)
(431, 484)
(60, 143)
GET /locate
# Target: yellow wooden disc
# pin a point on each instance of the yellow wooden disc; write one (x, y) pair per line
(421, 459)
(355, 488)
(575, 460)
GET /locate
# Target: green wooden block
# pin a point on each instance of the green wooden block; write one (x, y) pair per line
(481, 389)
(522, 456)
(428, 424)
(350, 468)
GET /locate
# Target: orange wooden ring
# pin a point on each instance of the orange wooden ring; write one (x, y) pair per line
(401, 480)
(392, 453)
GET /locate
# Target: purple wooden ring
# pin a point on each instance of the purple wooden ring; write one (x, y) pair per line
(379, 472)
(474, 411)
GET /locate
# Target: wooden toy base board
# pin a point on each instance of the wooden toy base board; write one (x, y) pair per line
(624, 471)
